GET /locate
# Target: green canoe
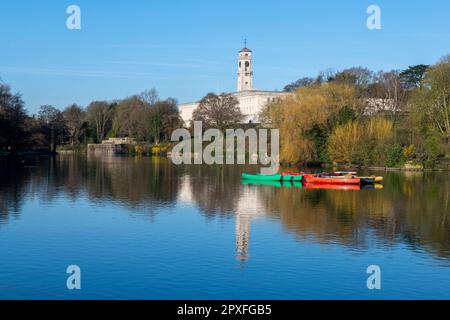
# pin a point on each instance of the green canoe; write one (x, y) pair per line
(274, 177)
(262, 177)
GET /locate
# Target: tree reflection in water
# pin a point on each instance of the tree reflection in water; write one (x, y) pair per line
(413, 208)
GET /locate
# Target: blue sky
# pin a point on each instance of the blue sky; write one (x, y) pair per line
(188, 48)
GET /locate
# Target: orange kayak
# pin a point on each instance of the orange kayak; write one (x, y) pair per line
(332, 180)
(323, 186)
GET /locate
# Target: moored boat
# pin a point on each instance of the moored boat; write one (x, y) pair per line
(341, 178)
(345, 173)
(338, 174)
(262, 177)
(334, 178)
(343, 187)
(324, 186)
(375, 179)
(367, 180)
(371, 180)
(318, 179)
(274, 177)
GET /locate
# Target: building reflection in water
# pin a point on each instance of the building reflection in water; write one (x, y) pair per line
(247, 207)
(242, 236)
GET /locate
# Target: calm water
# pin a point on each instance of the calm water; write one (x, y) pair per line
(146, 229)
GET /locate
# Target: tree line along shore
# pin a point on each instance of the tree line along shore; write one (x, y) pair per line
(354, 117)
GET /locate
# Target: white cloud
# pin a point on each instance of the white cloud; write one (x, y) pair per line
(81, 72)
(192, 64)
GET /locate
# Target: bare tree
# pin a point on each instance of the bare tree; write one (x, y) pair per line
(129, 116)
(218, 111)
(12, 119)
(150, 96)
(300, 83)
(357, 76)
(445, 59)
(75, 118)
(164, 118)
(53, 125)
(100, 115)
(395, 95)
(325, 76)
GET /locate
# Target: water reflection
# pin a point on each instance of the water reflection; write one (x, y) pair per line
(413, 208)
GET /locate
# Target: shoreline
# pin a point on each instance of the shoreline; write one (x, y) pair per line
(340, 167)
(388, 169)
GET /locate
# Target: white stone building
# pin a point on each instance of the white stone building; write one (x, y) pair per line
(251, 101)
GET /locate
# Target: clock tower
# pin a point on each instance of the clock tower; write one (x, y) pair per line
(245, 70)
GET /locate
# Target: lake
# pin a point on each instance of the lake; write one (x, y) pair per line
(143, 228)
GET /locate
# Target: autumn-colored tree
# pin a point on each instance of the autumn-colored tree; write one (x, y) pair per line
(344, 144)
(378, 137)
(362, 141)
(379, 130)
(305, 118)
